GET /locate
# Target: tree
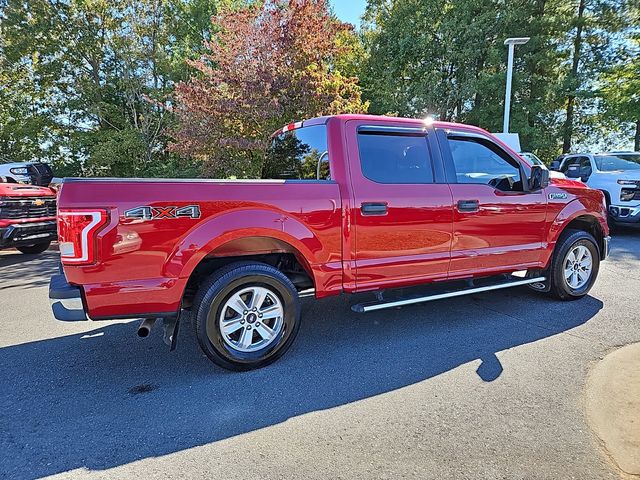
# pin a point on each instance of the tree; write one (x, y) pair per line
(594, 30)
(270, 63)
(622, 95)
(26, 108)
(620, 84)
(24, 124)
(88, 81)
(573, 77)
(446, 57)
(451, 64)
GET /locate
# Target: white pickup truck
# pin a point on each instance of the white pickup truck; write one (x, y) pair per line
(617, 174)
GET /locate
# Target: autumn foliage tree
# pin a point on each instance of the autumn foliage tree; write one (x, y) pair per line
(268, 64)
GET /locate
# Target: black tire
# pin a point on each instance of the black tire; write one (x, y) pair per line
(568, 241)
(213, 295)
(34, 249)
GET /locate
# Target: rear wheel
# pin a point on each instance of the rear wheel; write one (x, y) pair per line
(35, 248)
(246, 315)
(575, 264)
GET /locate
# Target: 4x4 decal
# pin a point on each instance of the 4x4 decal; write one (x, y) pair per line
(163, 213)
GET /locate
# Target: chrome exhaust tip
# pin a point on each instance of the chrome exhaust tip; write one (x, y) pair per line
(145, 327)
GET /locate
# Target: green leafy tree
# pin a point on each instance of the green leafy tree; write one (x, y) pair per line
(270, 63)
(622, 96)
(25, 126)
(99, 75)
(446, 57)
(592, 45)
(620, 84)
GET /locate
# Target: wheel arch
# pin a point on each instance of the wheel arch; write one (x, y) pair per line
(590, 224)
(578, 216)
(269, 250)
(260, 235)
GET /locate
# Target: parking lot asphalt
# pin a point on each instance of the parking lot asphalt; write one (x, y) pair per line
(486, 386)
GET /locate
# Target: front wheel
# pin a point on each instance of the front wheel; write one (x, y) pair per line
(246, 315)
(575, 265)
(35, 248)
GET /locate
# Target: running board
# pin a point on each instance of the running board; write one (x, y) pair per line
(474, 286)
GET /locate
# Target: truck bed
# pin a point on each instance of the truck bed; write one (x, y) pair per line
(150, 262)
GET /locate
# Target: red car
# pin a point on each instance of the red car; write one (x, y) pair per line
(27, 217)
(349, 203)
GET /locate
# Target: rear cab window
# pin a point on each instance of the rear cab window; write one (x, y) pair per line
(299, 154)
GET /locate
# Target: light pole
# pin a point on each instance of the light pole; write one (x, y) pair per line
(511, 42)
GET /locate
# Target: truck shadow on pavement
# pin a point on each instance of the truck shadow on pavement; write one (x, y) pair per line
(105, 398)
(20, 271)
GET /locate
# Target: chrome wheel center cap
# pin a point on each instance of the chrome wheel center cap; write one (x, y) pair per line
(252, 317)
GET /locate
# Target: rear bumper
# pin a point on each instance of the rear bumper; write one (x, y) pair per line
(22, 234)
(66, 300)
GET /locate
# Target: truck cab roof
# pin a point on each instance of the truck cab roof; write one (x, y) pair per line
(360, 116)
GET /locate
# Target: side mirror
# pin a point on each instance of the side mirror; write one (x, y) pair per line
(539, 178)
(555, 165)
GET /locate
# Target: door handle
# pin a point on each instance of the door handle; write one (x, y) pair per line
(468, 206)
(374, 208)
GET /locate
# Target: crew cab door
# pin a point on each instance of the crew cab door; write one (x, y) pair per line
(498, 225)
(402, 207)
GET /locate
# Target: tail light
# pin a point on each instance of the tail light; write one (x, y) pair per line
(77, 231)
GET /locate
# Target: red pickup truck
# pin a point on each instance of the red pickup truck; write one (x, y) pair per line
(348, 203)
(27, 217)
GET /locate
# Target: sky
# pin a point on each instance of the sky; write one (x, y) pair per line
(349, 10)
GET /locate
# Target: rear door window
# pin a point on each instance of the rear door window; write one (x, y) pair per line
(395, 158)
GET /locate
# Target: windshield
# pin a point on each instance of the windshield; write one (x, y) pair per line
(620, 161)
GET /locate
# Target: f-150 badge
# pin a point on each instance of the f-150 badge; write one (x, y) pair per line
(557, 196)
(163, 213)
